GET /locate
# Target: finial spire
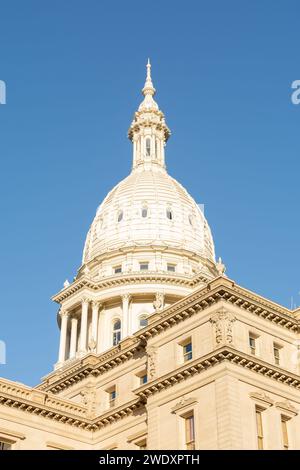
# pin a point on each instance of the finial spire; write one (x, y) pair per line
(148, 87)
(148, 131)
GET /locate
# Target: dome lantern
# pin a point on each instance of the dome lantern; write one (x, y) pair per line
(148, 131)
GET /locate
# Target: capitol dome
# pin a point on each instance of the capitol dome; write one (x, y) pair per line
(149, 210)
(148, 246)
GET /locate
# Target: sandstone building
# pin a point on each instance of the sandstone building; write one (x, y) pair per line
(159, 349)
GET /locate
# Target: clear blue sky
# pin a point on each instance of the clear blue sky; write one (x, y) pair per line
(74, 71)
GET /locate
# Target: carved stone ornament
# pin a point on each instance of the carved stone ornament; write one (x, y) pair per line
(151, 354)
(223, 324)
(159, 301)
(220, 267)
(92, 345)
(88, 399)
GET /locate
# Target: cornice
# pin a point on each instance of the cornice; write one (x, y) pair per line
(60, 410)
(125, 279)
(220, 289)
(67, 412)
(91, 366)
(225, 353)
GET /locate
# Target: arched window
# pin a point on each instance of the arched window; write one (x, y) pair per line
(143, 321)
(120, 216)
(191, 220)
(148, 147)
(156, 149)
(169, 214)
(116, 332)
(144, 212)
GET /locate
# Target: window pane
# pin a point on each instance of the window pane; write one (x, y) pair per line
(190, 432)
(169, 214)
(5, 446)
(143, 266)
(148, 147)
(259, 427)
(285, 438)
(144, 379)
(143, 322)
(187, 352)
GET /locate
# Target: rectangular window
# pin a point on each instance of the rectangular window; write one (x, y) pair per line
(284, 429)
(148, 147)
(189, 432)
(5, 446)
(117, 269)
(143, 379)
(144, 266)
(252, 344)
(171, 268)
(112, 396)
(187, 351)
(276, 352)
(259, 428)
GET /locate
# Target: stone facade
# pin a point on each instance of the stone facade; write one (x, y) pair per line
(158, 348)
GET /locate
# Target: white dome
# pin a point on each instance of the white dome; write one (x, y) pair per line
(147, 208)
(149, 212)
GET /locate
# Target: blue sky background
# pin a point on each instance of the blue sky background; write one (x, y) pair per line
(74, 71)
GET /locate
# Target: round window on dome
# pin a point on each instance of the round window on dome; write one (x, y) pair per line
(191, 220)
(169, 214)
(120, 216)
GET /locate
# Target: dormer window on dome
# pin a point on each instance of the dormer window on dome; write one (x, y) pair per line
(144, 212)
(169, 214)
(120, 216)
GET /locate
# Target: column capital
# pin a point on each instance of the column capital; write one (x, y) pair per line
(96, 304)
(63, 312)
(126, 297)
(85, 300)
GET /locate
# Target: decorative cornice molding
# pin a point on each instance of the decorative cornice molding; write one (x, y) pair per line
(221, 289)
(128, 278)
(262, 399)
(224, 353)
(183, 403)
(67, 412)
(61, 410)
(91, 366)
(287, 408)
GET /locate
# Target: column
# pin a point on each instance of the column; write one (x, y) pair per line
(95, 314)
(83, 325)
(73, 340)
(63, 335)
(102, 338)
(125, 310)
